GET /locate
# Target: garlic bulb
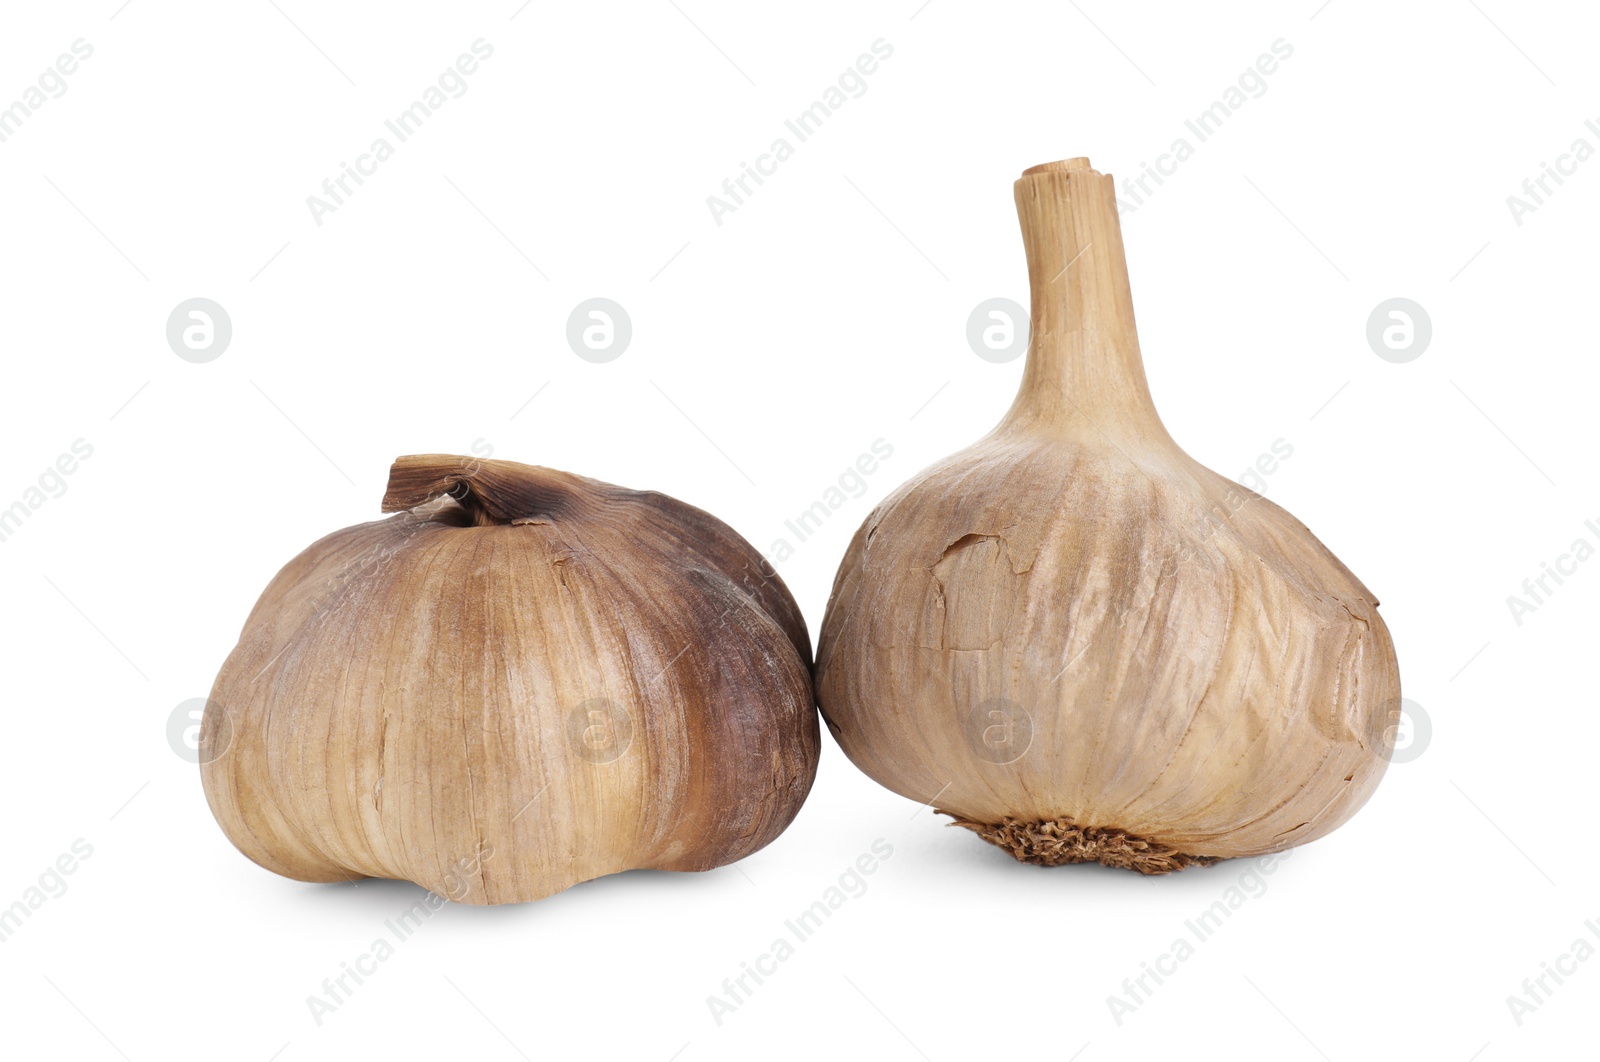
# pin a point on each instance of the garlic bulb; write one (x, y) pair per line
(1082, 644)
(525, 680)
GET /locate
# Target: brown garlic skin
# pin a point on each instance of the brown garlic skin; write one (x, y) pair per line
(1083, 644)
(525, 680)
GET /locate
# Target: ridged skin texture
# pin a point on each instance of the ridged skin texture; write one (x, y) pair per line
(499, 710)
(1221, 687)
(1080, 642)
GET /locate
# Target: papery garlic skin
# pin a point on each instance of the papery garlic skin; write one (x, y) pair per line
(1083, 644)
(530, 680)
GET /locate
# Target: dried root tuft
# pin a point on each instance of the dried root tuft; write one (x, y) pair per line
(1056, 841)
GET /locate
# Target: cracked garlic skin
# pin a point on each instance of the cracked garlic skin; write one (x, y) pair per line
(525, 680)
(1082, 644)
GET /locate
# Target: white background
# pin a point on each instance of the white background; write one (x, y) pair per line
(768, 353)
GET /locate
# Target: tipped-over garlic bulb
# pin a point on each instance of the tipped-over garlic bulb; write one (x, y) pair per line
(1081, 643)
(525, 680)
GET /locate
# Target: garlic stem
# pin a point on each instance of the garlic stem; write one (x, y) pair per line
(1084, 375)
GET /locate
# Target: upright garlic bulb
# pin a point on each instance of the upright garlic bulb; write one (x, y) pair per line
(1081, 643)
(525, 680)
